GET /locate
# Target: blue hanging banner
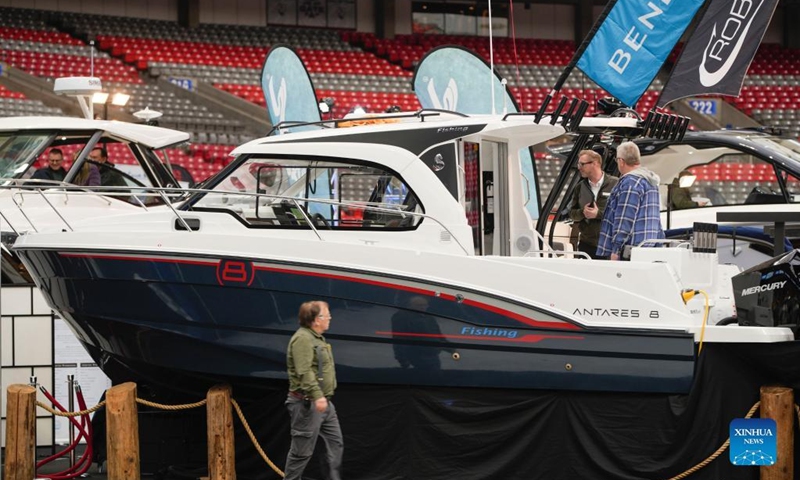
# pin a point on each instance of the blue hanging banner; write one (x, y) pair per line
(288, 90)
(454, 78)
(633, 42)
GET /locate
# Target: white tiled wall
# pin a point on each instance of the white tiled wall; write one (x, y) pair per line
(16, 300)
(26, 348)
(33, 341)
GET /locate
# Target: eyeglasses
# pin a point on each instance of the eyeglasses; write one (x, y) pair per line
(583, 164)
(325, 317)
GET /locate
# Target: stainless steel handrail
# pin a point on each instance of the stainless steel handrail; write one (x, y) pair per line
(9, 223)
(44, 197)
(169, 204)
(552, 253)
(665, 241)
(162, 193)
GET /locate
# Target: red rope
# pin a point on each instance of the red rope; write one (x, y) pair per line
(84, 431)
(516, 60)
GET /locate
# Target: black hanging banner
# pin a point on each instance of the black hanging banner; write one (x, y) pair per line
(718, 54)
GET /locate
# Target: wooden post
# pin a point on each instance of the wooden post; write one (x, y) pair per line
(777, 403)
(122, 432)
(221, 458)
(20, 432)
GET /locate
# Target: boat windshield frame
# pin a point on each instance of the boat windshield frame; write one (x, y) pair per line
(29, 145)
(17, 157)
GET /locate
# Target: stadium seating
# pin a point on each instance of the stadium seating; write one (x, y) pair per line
(354, 68)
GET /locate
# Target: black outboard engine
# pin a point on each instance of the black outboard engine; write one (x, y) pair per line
(768, 294)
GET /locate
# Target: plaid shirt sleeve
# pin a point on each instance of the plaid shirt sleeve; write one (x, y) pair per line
(625, 216)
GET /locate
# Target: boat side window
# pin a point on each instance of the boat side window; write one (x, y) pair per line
(69, 147)
(121, 158)
(792, 186)
(735, 179)
(332, 194)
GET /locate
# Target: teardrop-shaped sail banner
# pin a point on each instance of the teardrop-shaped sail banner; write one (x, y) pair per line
(454, 78)
(288, 90)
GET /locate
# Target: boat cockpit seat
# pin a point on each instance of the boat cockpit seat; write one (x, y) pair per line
(289, 213)
(284, 214)
(400, 220)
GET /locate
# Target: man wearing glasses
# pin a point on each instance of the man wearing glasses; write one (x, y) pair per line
(312, 381)
(589, 200)
(54, 171)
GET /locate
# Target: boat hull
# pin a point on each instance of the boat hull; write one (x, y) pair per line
(191, 321)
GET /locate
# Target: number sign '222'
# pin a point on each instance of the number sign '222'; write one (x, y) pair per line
(706, 106)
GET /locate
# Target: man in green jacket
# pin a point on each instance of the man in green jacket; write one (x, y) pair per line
(682, 196)
(312, 381)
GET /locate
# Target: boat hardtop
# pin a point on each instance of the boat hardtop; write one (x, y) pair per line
(147, 135)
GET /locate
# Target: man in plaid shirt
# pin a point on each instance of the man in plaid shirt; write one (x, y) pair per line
(632, 213)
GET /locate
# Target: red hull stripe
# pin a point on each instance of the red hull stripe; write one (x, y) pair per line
(522, 339)
(418, 291)
(430, 293)
(205, 263)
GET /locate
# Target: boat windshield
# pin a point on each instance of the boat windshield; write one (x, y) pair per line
(785, 146)
(335, 194)
(18, 152)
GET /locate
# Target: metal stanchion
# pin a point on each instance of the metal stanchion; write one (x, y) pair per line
(71, 408)
(33, 381)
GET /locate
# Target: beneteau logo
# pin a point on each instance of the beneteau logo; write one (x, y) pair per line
(235, 273)
(449, 100)
(277, 103)
(763, 288)
(723, 47)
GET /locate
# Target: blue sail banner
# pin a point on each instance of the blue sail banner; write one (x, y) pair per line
(288, 90)
(633, 42)
(454, 78)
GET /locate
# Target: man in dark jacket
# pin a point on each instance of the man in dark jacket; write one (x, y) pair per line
(54, 171)
(589, 200)
(109, 176)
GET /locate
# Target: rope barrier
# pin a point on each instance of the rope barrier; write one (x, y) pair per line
(254, 440)
(277, 470)
(71, 414)
(720, 450)
(185, 406)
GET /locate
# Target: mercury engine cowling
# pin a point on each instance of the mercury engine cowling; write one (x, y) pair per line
(768, 294)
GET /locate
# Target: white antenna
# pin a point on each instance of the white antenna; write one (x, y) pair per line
(91, 58)
(491, 55)
(504, 83)
(147, 115)
(82, 88)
